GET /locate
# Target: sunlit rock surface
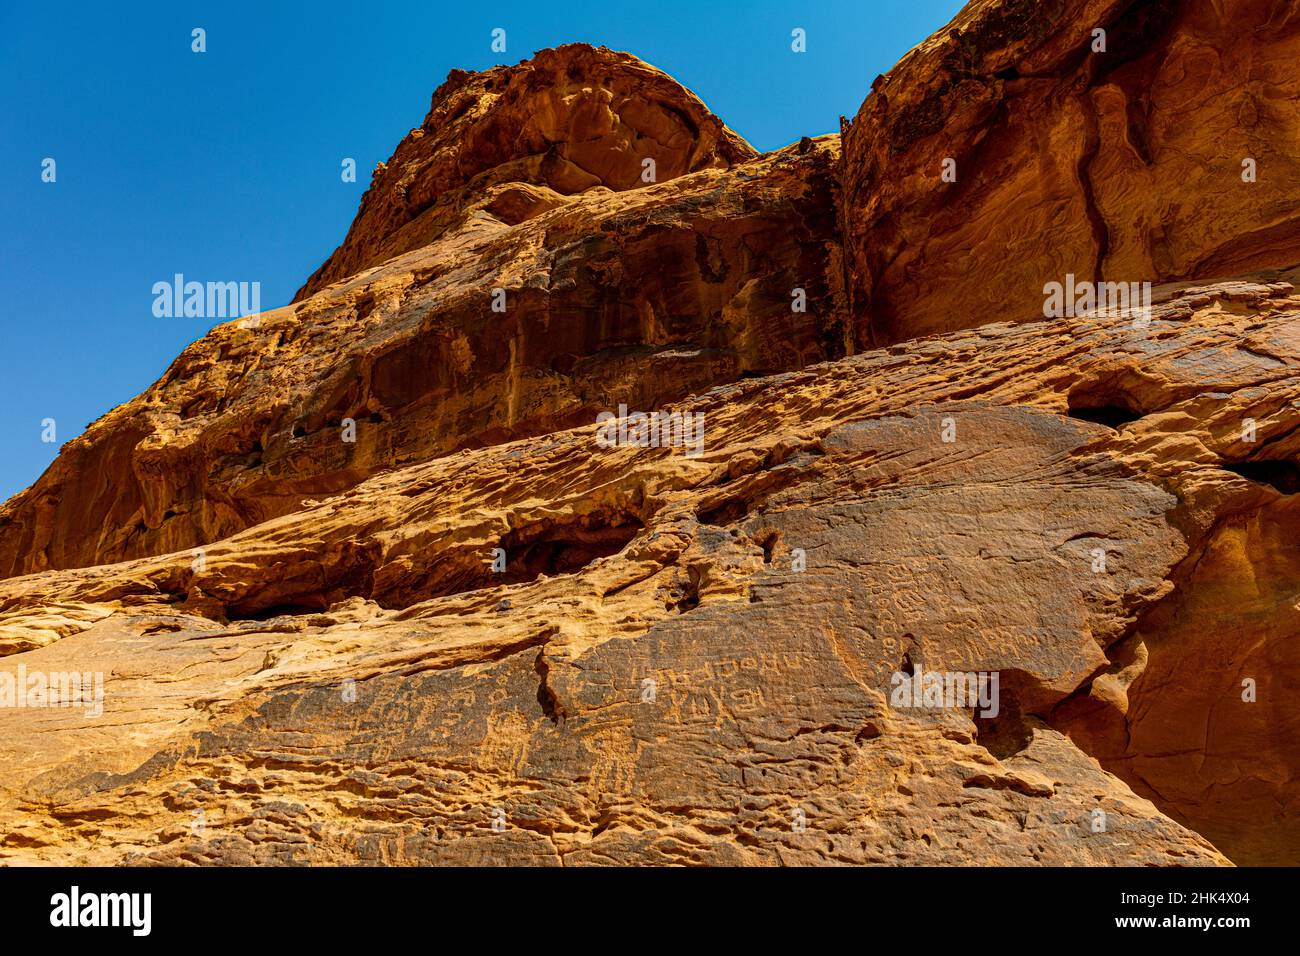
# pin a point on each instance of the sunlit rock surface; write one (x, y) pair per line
(479, 634)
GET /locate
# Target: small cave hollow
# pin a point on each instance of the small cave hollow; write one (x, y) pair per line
(1008, 732)
(724, 513)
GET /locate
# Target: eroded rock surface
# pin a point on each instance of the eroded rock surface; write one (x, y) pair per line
(308, 654)
(638, 297)
(1124, 165)
(349, 683)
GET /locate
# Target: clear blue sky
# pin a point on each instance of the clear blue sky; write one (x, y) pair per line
(225, 165)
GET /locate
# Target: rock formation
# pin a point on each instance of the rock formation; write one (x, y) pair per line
(513, 142)
(480, 634)
(611, 295)
(1118, 154)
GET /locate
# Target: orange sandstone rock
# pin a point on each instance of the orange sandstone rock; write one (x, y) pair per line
(480, 634)
(639, 297)
(355, 684)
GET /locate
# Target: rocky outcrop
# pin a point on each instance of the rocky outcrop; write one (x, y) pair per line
(510, 184)
(1122, 164)
(635, 298)
(511, 142)
(482, 633)
(690, 659)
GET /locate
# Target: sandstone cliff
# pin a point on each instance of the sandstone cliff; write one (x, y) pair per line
(310, 657)
(611, 295)
(1116, 155)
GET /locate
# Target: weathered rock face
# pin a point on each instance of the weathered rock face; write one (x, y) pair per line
(639, 298)
(1168, 715)
(696, 658)
(512, 142)
(1124, 165)
(370, 692)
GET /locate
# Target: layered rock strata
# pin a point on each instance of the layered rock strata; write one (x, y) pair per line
(361, 580)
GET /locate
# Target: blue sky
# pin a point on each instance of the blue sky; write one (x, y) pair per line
(225, 165)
